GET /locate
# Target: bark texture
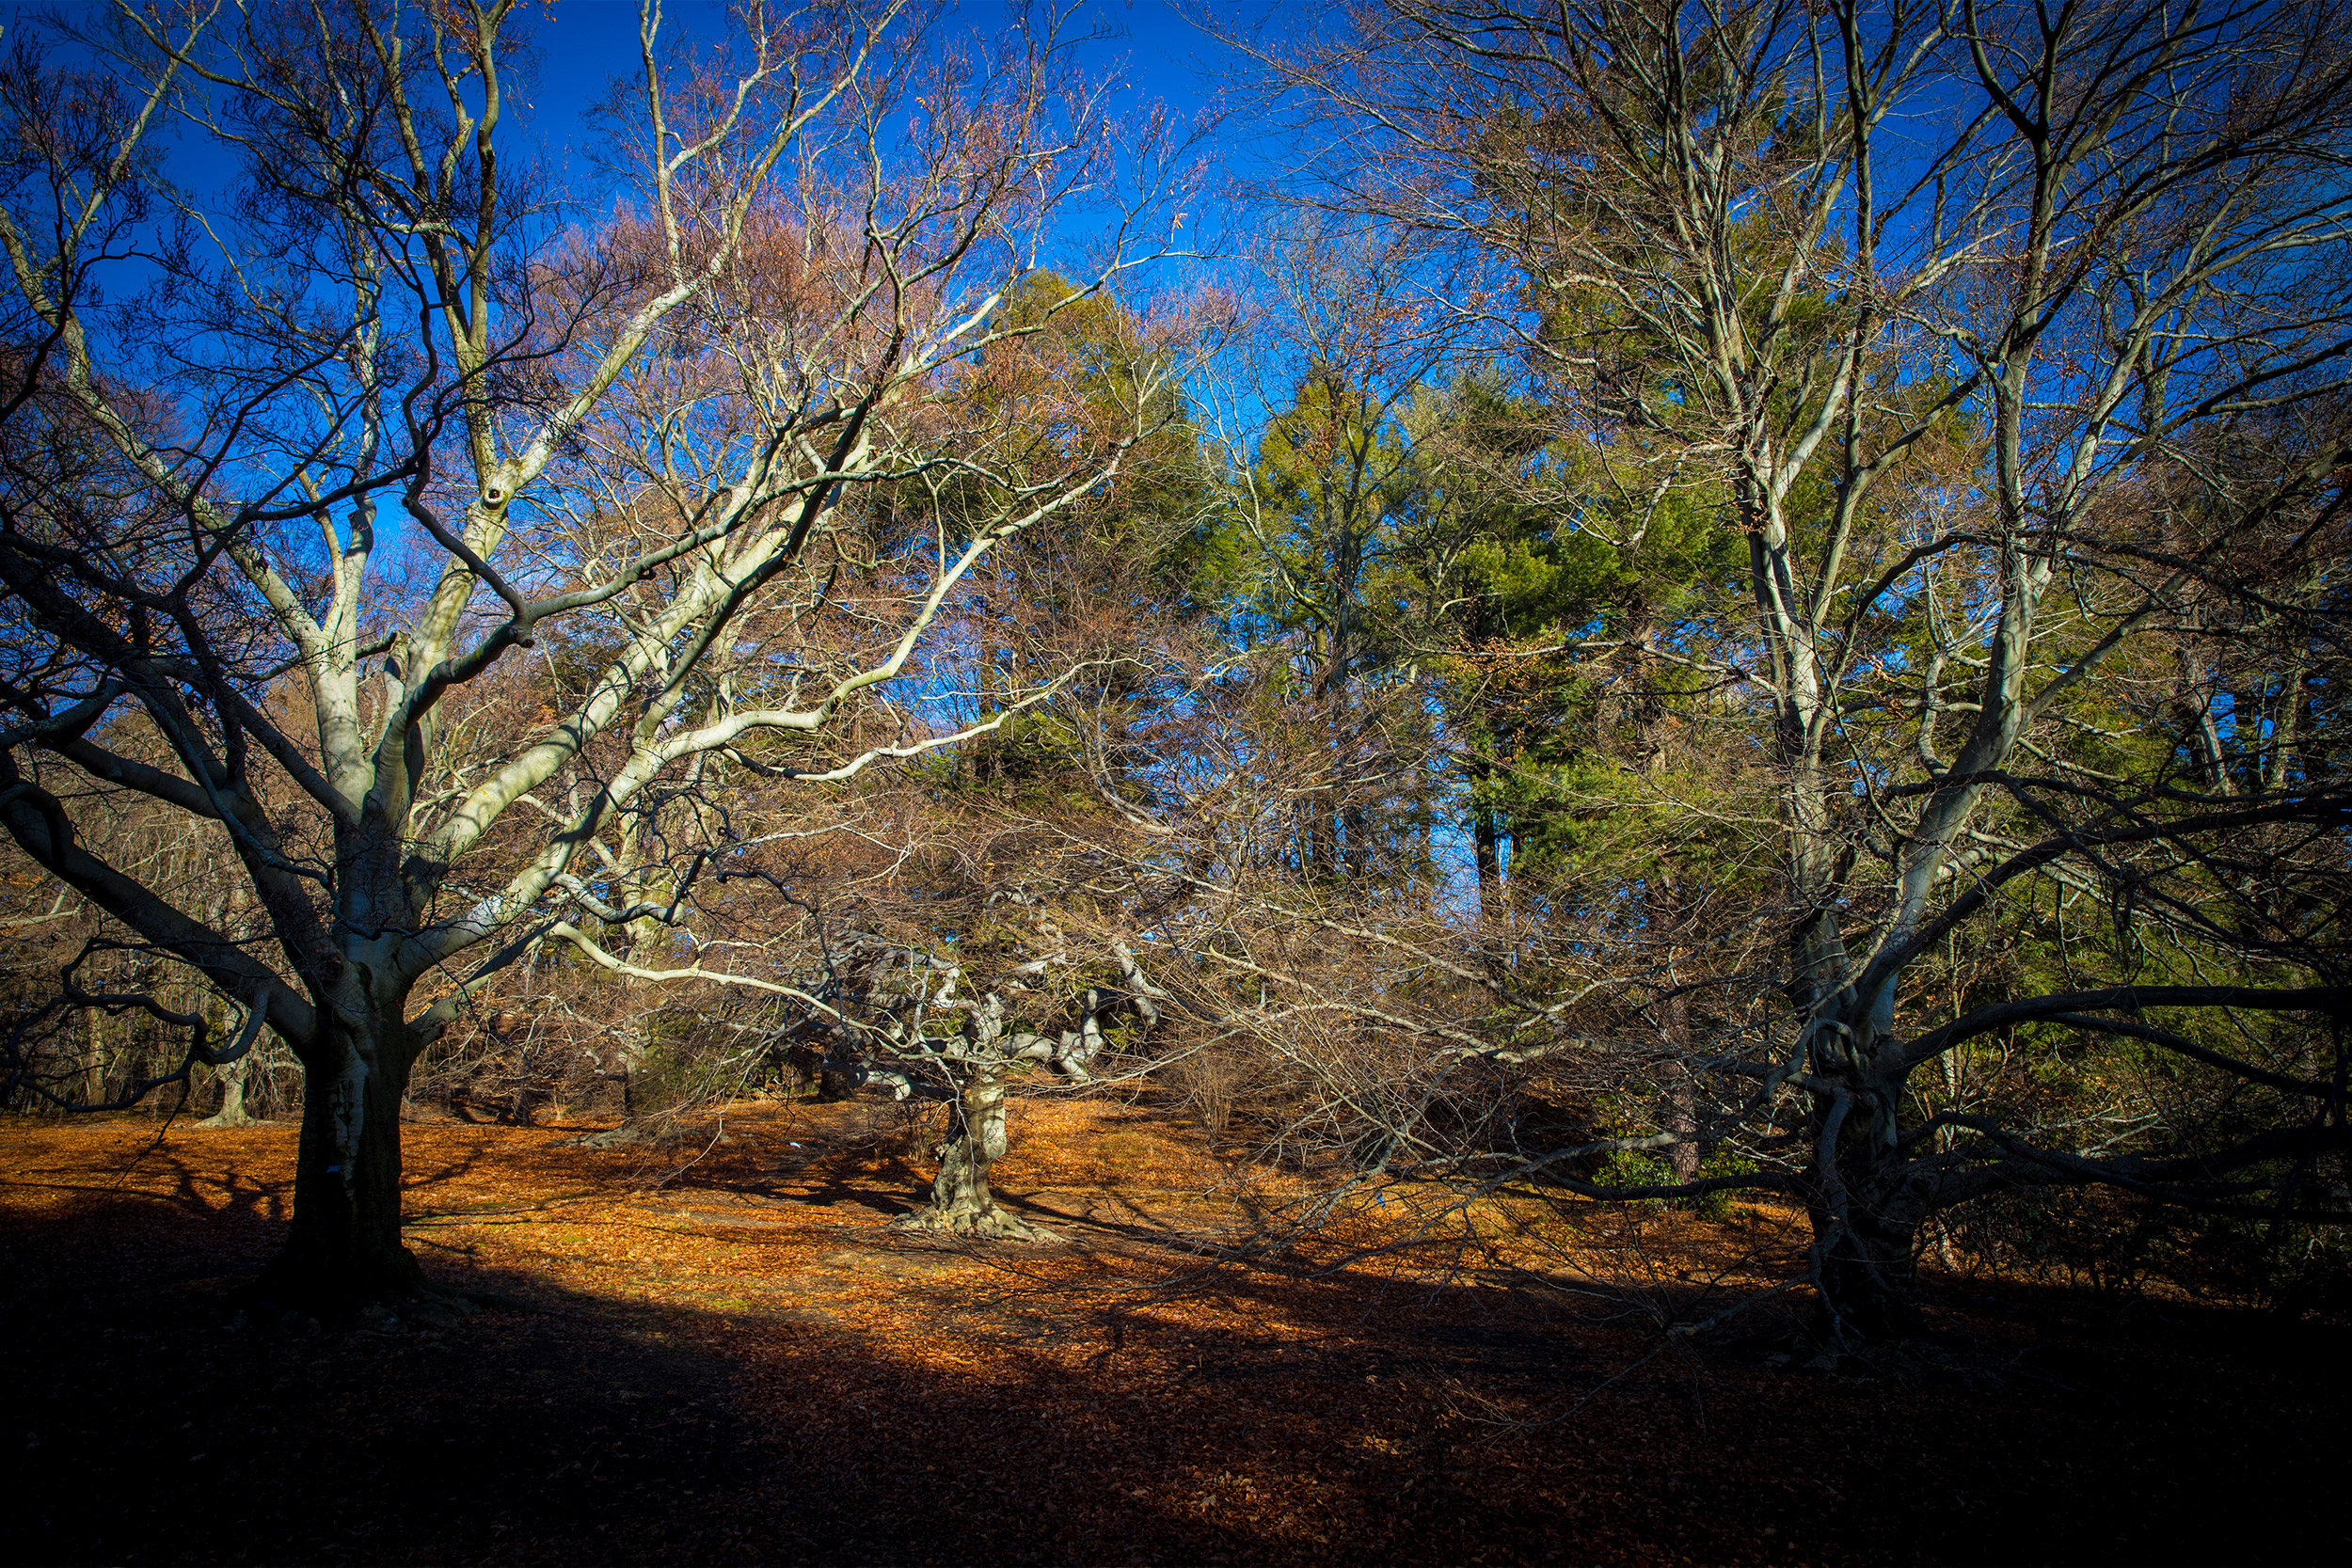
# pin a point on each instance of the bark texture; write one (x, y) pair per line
(961, 1203)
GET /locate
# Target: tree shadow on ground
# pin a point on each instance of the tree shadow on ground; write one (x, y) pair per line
(1307, 1420)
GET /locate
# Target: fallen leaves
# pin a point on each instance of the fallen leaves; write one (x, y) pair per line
(722, 1353)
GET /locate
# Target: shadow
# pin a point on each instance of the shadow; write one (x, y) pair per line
(835, 1177)
(832, 1163)
(197, 1217)
(1010, 1413)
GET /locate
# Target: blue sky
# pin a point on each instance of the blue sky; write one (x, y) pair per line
(585, 43)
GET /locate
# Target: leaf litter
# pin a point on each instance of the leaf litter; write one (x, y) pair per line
(718, 1351)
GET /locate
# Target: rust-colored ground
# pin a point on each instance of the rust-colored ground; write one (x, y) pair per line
(730, 1358)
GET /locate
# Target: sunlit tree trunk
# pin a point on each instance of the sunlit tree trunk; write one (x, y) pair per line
(232, 1112)
(961, 1203)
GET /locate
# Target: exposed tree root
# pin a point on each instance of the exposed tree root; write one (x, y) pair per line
(979, 1225)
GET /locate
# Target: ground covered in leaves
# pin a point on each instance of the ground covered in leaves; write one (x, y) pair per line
(718, 1351)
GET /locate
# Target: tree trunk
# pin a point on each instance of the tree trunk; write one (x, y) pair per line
(961, 1204)
(1662, 893)
(90, 1081)
(838, 1077)
(226, 915)
(1486, 853)
(1866, 1207)
(233, 1111)
(1863, 1278)
(343, 1249)
(1682, 1115)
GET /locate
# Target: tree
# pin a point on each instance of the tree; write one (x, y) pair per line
(648, 439)
(1965, 404)
(936, 933)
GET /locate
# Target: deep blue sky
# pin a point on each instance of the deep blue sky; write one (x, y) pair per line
(585, 43)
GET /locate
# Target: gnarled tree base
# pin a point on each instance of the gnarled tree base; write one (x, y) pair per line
(990, 1224)
(232, 1112)
(1876, 1320)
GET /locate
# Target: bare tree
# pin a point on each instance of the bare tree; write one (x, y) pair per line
(389, 315)
(1996, 411)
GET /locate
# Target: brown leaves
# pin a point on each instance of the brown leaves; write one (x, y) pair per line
(728, 1355)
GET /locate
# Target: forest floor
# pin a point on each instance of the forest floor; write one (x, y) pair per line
(722, 1353)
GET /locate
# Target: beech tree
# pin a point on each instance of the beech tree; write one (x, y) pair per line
(2001, 417)
(940, 933)
(286, 471)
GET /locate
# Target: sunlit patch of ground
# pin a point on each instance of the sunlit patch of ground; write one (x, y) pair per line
(716, 1349)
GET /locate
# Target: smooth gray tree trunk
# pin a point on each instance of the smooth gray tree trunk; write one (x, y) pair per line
(232, 1112)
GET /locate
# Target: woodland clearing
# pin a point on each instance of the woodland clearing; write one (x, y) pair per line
(722, 1352)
